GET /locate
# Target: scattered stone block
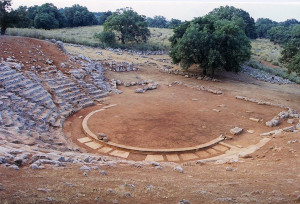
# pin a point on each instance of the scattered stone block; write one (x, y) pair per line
(183, 201)
(139, 90)
(85, 168)
(298, 126)
(291, 121)
(103, 137)
(179, 169)
(254, 119)
(250, 131)
(236, 131)
(274, 122)
(274, 132)
(289, 129)
(216, 110)
(283, 115)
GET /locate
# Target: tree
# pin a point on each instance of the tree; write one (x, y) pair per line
(290, 55)
(157, 22)
(174, 23)
(231, 13)
(211, 43)
(79, 16)
(7, 18)
(279, 34)
(263, 25)
(23, 20)
(129, 26)
(49, 17)
(103, 16)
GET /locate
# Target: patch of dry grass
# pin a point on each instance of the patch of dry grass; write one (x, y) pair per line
(85, 35)
(266, 50)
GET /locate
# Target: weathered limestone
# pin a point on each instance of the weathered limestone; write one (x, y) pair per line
(274, 122)
(236, 131)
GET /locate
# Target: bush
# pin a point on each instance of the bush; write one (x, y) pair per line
(107, 37)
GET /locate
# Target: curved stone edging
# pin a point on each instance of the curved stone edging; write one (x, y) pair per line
(90, 134)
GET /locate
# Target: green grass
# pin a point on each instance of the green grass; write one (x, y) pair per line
(85, 36)
(267, 51)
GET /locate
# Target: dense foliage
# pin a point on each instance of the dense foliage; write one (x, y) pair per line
(128, 25)
(291, 55)
(49, 17)
(162, 22)
(231, 13)
(7, 16)
(79, 16)
(263, 25)
(211, 43)
(102, 16)
(107, 37)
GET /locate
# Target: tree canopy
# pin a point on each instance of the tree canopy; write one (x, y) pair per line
(211, 43)
(49, 17)
(7, 17)
(79, 16)
(291, 54)
(128, 25)
(232, 13)
(102, 16)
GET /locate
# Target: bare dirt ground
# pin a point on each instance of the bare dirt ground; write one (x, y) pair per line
(269, 175)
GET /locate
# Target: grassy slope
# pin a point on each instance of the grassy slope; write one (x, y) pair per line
(85, 35)
(265, 53)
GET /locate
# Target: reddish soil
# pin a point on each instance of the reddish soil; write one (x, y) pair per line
(32, 52)
(174, 117)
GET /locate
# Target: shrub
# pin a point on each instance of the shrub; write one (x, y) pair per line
(107, 37)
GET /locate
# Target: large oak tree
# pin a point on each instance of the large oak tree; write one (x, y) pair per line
(128, 25)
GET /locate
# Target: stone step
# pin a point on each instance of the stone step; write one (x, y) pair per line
(20, 84)
(69, 95)
(67, 113)
(6, 73)
(72, 98)
(100, 96)
(30, 86)
(38, 95)
(28, 93)
(1, 119)
(12, 81)
(67, 89)
(50, 104)
(45, 115)
(37, 112)
(96, 92)
(7, 119)
(89, 103)
(42, 100)
(52, 118)
(62, 86)
(82, 101)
